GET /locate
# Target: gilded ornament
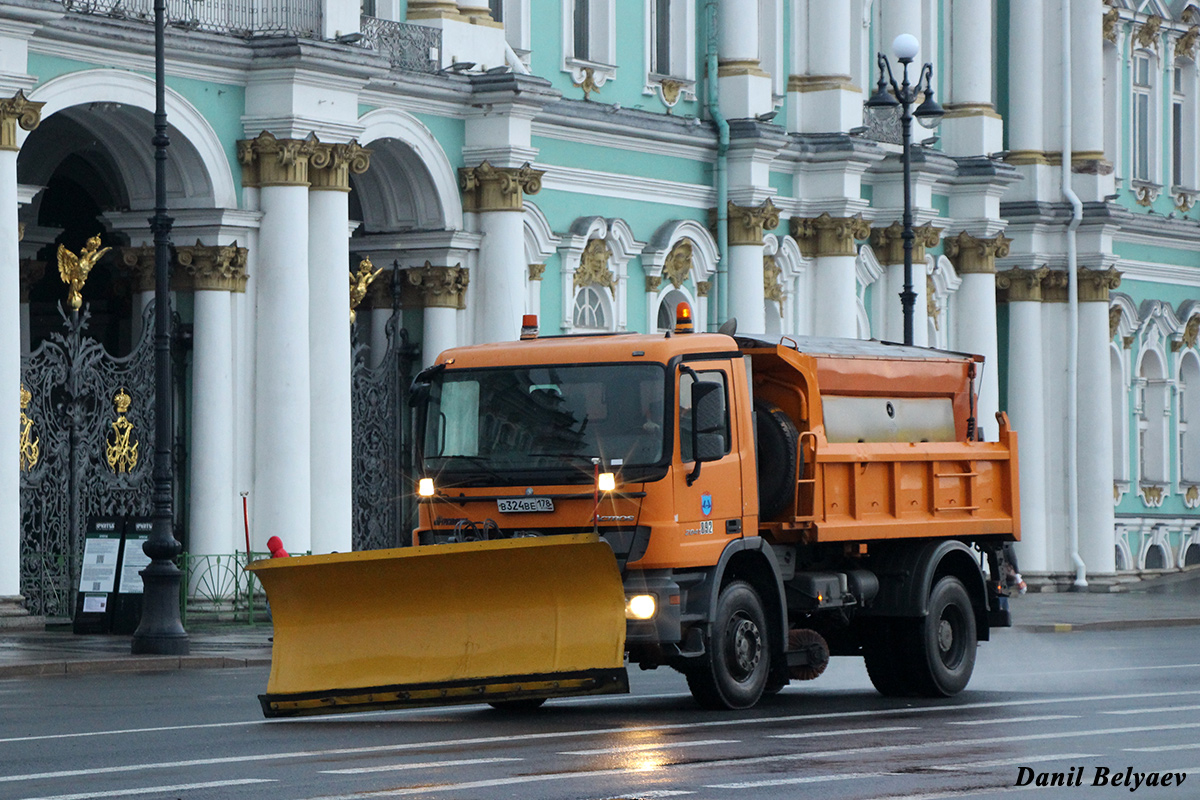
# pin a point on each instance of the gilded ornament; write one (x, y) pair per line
(772, 282)
(74, 269)
(1147, 35)
(1110, 24)
(1191, 497)
(588, 84)
(536, 271)
(1145, 195)
(678, 264)
(593, 267)
(1114, 320)
(932, 310)
(30, 444)
(122, 450)
(1022, 284)
(360, 282)
(1152, 496)
(14, 111)
(827, 235)
(1191, 331)
(670, 92)
(1184, 201)
(440, 287)
(1185, 46)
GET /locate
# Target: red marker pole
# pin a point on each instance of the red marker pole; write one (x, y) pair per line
(246, 522)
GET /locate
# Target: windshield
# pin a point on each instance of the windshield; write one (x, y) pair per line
(496, 425)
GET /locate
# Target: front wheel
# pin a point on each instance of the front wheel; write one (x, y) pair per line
(945, 639)
(734, 671)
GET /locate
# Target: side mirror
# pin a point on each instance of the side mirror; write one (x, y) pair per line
(708, 421)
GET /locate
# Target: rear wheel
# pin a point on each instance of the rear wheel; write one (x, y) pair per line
(945, 641)
(734, 672)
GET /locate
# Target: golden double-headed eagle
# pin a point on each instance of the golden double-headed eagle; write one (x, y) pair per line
(74, 269)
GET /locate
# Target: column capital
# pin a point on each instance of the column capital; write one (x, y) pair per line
(746, 223)
(433, 9)
(1094, 284)
(827, 235)
(14, 111)
(220, 268)
(330, 165)
(31, 272)
(703, 288)
(537, 271)
(488, 188)
(1022, 285)
(441, 287)
(1054, 286)
(888, 242)
(653, 284)
(267, 161)
(971, 255)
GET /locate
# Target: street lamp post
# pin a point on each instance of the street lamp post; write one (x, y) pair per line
(929, 114)
(160, 630)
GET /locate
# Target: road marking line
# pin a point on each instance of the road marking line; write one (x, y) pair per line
(840, 776)
(1006, 720)
(843, 732)
(754, 760)
(1156, 710)
(370, 717)
(1163, 748)
(179, 787)
(1007, 762)
(1113, 669)
(756, 721)
(463, 762)
(633, 748)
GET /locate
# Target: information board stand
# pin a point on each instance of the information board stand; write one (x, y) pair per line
(127, 602)
(97, 578)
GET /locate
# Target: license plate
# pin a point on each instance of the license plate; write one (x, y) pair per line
(525, 505)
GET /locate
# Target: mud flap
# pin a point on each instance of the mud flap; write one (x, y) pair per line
(442, 624)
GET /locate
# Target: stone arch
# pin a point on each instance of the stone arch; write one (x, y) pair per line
(411, 184)
(703, 269)
(109, 101)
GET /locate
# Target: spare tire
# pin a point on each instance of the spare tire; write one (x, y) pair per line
(775, 439)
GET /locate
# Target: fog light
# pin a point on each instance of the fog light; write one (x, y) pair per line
(640, 606)
(425, 487)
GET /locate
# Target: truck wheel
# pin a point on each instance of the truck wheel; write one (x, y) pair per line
(944, 656)
(886, 657)
(775, 447)
(733, 674)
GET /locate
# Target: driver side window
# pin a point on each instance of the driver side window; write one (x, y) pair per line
(685, 410)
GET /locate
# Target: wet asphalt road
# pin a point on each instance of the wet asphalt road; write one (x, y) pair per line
(1074, 704)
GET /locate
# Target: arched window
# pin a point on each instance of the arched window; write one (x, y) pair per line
(1189, 418)
(1153, 419)
(666, 309)
(591, 310)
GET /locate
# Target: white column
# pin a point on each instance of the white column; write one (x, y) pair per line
(442, 290)
(283, 403)
(821, 95)
(1026, 77)
(1054, 383)
(1026, 412)
(1097, 518)
(971, 126)
(329, 345)
(210, 511)
(10, 375)
(1087, 79)
(497, 194)
(830, 241)
(897, 17)
(745, 89)
(975, 316)
(746, 297)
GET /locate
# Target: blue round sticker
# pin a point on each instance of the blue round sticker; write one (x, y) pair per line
(706, 503)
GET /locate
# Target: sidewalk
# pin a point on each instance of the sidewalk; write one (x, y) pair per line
(1170, 600)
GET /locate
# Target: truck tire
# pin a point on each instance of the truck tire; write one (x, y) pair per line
(733, 673)
(887, 658)
(775, 446)
(944, 641)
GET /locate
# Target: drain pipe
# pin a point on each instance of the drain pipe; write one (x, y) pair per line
(1072, 312)
(721, 178)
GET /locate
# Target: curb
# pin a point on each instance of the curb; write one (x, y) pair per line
(131, 664)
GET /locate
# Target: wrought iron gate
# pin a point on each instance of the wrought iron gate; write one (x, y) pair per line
(87, 449)
(382, 456)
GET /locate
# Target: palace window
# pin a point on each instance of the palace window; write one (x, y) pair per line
(1143, 121)
(592, 310)
(1189, 419)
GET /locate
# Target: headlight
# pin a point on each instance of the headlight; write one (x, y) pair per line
(641, 606)
(606, 482)
(425, 487)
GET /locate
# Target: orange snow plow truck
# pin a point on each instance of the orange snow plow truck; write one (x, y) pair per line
(736, 508)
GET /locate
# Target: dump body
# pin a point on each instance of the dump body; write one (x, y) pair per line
(747, 508)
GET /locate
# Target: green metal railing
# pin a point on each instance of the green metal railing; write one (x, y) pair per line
(218, 586)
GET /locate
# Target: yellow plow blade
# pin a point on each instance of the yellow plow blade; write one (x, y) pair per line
(471, 622)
